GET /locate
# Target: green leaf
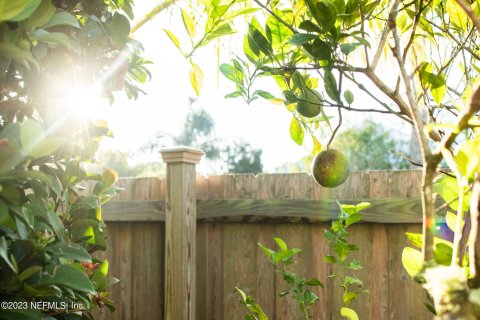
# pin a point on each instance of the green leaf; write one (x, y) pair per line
(348, 297)
(416, 239)
(354, 265)
(66, 276)
(314, 283)
(232, 73)
(412, 261)
(296, 131)
(348, 95)
(354, 218)
(331, 85)
(119, 28)
(9, 9)
(31, 134)
(29, 272)
(268, 252)
(438, 87)
(349, 47)
(319, 50)
(349, 313)
(234, 94)
(62, 19)
(447, 187)
(55, 39)
(443, 253)
(362, 206)
(326, 15)
(196, 78)
(301, 38)
(457, 15)
(329, 259)
(42, 15)
(278, 32)
(47, 147)
(257, 40)
(451, 219)
(28, 8)
(174, 39)
(12, 52)
(99, 277)
(468, 158)
(56, 224)
(264, 94)
(9, 260)
(281, 244)
(222, 30)
(69, 251)
(188, 23)
(317, 146)
(309, 26)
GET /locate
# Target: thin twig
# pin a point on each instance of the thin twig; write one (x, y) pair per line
(417, 164)
(276, 16)
(152, 14)
(340, 120)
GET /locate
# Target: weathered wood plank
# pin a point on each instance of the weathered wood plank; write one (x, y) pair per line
(393, 210)
(147, 258)
(134, 210)
(238, 267)
(402, 210)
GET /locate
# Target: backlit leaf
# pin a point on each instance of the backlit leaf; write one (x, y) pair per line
(412, 260)
(296, 131)
(174, 39)
(196, 78)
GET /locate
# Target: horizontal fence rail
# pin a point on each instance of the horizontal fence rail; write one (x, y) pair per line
(233, 214)
(389, 210)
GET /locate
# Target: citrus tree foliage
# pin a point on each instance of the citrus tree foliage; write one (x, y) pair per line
(49, 227)
(417, 60)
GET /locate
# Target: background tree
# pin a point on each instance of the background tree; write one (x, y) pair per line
(199, 132)
(369, 145)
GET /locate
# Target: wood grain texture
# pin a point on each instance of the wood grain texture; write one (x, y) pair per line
(180, 237)
(231, 211)
(386, 210)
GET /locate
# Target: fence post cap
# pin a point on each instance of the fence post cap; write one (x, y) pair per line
(182, 154)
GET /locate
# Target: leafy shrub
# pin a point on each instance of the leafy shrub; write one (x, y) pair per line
(50, 226)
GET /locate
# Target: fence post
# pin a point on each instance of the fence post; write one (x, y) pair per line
(180, 230)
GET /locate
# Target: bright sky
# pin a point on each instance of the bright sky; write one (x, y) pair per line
(166, 103)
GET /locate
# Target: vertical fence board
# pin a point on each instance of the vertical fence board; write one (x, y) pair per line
(239, 266)
(265, 274)
(202, 302)
(321, 270)
(147, 266)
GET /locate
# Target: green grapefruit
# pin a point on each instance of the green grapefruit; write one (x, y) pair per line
(309, 104)
(330, 168)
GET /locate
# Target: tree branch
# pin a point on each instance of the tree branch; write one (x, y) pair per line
(152, 14)
(429, 168)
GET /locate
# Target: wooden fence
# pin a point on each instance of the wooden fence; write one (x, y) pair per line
(234, 213)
